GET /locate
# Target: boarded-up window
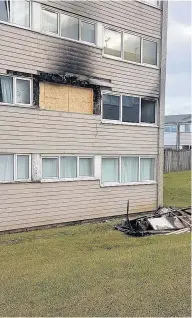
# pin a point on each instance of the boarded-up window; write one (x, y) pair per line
(66, 98)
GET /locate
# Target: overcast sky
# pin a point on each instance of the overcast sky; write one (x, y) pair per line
(178, 85)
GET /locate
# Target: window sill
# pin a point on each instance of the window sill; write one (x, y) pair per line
(15, 181)
(117, 184)
(130, 62)
(115, 122)
(69, 179)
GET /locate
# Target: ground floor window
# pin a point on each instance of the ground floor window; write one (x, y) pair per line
(15, 167)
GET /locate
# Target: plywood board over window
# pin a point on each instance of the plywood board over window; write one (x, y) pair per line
(65, 98)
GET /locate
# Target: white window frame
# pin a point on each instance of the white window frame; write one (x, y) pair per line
(122, 32)
(58, 157)
(58, 21)
(14, 91)
(15, 179)
(30, 17)
(158, 6)
(113, 184)
(140, 123)
(89, 22)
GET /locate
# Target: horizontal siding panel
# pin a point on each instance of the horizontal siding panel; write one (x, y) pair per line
(49, 206)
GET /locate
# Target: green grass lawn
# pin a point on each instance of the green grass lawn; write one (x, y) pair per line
(177, 189)
(92, 270)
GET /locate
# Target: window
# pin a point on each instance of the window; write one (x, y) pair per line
(167, 129)
(170, 128)
(147, 166)
(21, 12)
(110, 170)
(128, 109)
(50, 168)
(49, 21)
(149, 52)
(4, 10)
(147, 111)
(14, 90)
(153, 2)
(188, 128)
(112, 43)
(132, 169)
(111, 107)
(68, 167)
(86, 167)
(132, 48)
(15, 168)
(129, 169)
(87, 32)
(69, 27)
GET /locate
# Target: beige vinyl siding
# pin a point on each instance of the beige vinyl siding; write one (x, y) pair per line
(185, 138)
(31, 131)
(27, 51)
(69, 201)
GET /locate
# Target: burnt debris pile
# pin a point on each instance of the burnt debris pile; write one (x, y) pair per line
(163, 221)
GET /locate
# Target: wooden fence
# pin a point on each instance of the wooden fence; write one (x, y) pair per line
(177, 160)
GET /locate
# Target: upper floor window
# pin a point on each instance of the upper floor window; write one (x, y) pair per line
(170, 128)
(49, 21)
(17, 12)
(130, 47)
(69, 27)
(87, 32)
(128, 109)
(153, 2)
(186, 128)
(15, 90)
(15, 167)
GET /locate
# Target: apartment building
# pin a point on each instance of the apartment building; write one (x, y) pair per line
(178, 129)
(82, 89)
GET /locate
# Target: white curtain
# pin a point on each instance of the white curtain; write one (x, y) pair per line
(69, 27)
(6, 167)
(129, 169)
(49, 21)
(22, 91)
(22, 167)
(50, 168)
(20, 12)
(6, 85)
(147, 166)
(88, 32)
(86, 167)
(110, 170)
(68, 167)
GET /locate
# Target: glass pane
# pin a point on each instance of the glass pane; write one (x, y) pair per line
(22, 91)
(22, 167)
(149, 52)
(153, 2)
(130, 109)
(87, 32)
(132, 48)
(129, 169)
(182, 128)
(187, 128)
(69, 27)
(167, 129)
(6, 89)
(112, 44)
(173, 128)
(110, 170)
(68, 167)
(147, 111)
(4, 10)
(6, 167)
(111, 105)
(85, 167)
(49, 21)
(49, 168)
(20, 12)
(147, 167)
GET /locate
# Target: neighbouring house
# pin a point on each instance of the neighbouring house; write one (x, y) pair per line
(82, 89)
(177, 133)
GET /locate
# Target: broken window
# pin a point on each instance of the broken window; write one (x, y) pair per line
(87, 32)
(21, 12)
(112, 43)
(110, 170)
(132, 48)
(147, 166)
(147, 111)
(149, 52)
(5, 10)
(15, 167)
(129, 169)
(49, 21)
(14, 90)
(129, 109)
(69, 27)
(66, 98)
(111, 107)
